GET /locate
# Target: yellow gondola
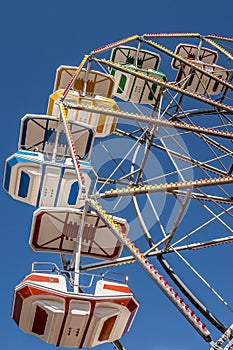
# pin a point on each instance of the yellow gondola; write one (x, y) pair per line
(103, 124)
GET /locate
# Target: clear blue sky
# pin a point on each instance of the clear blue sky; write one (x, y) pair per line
(37, 37)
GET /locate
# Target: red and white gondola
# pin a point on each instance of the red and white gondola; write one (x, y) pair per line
(43, 307)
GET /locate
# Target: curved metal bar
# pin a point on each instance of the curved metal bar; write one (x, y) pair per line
(192, 298)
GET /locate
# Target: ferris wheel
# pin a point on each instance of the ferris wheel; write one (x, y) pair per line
(132, 163)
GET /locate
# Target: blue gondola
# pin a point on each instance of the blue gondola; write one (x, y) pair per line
(44, 133)
(33, 178)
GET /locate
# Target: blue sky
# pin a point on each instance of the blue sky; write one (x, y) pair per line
(36, 38)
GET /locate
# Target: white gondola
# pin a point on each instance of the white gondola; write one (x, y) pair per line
(46, 134)
(194, 80)
(102, 124)
(33, 178)
(96, 83)
(55, 230)
(130, 88)
(43, 307)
